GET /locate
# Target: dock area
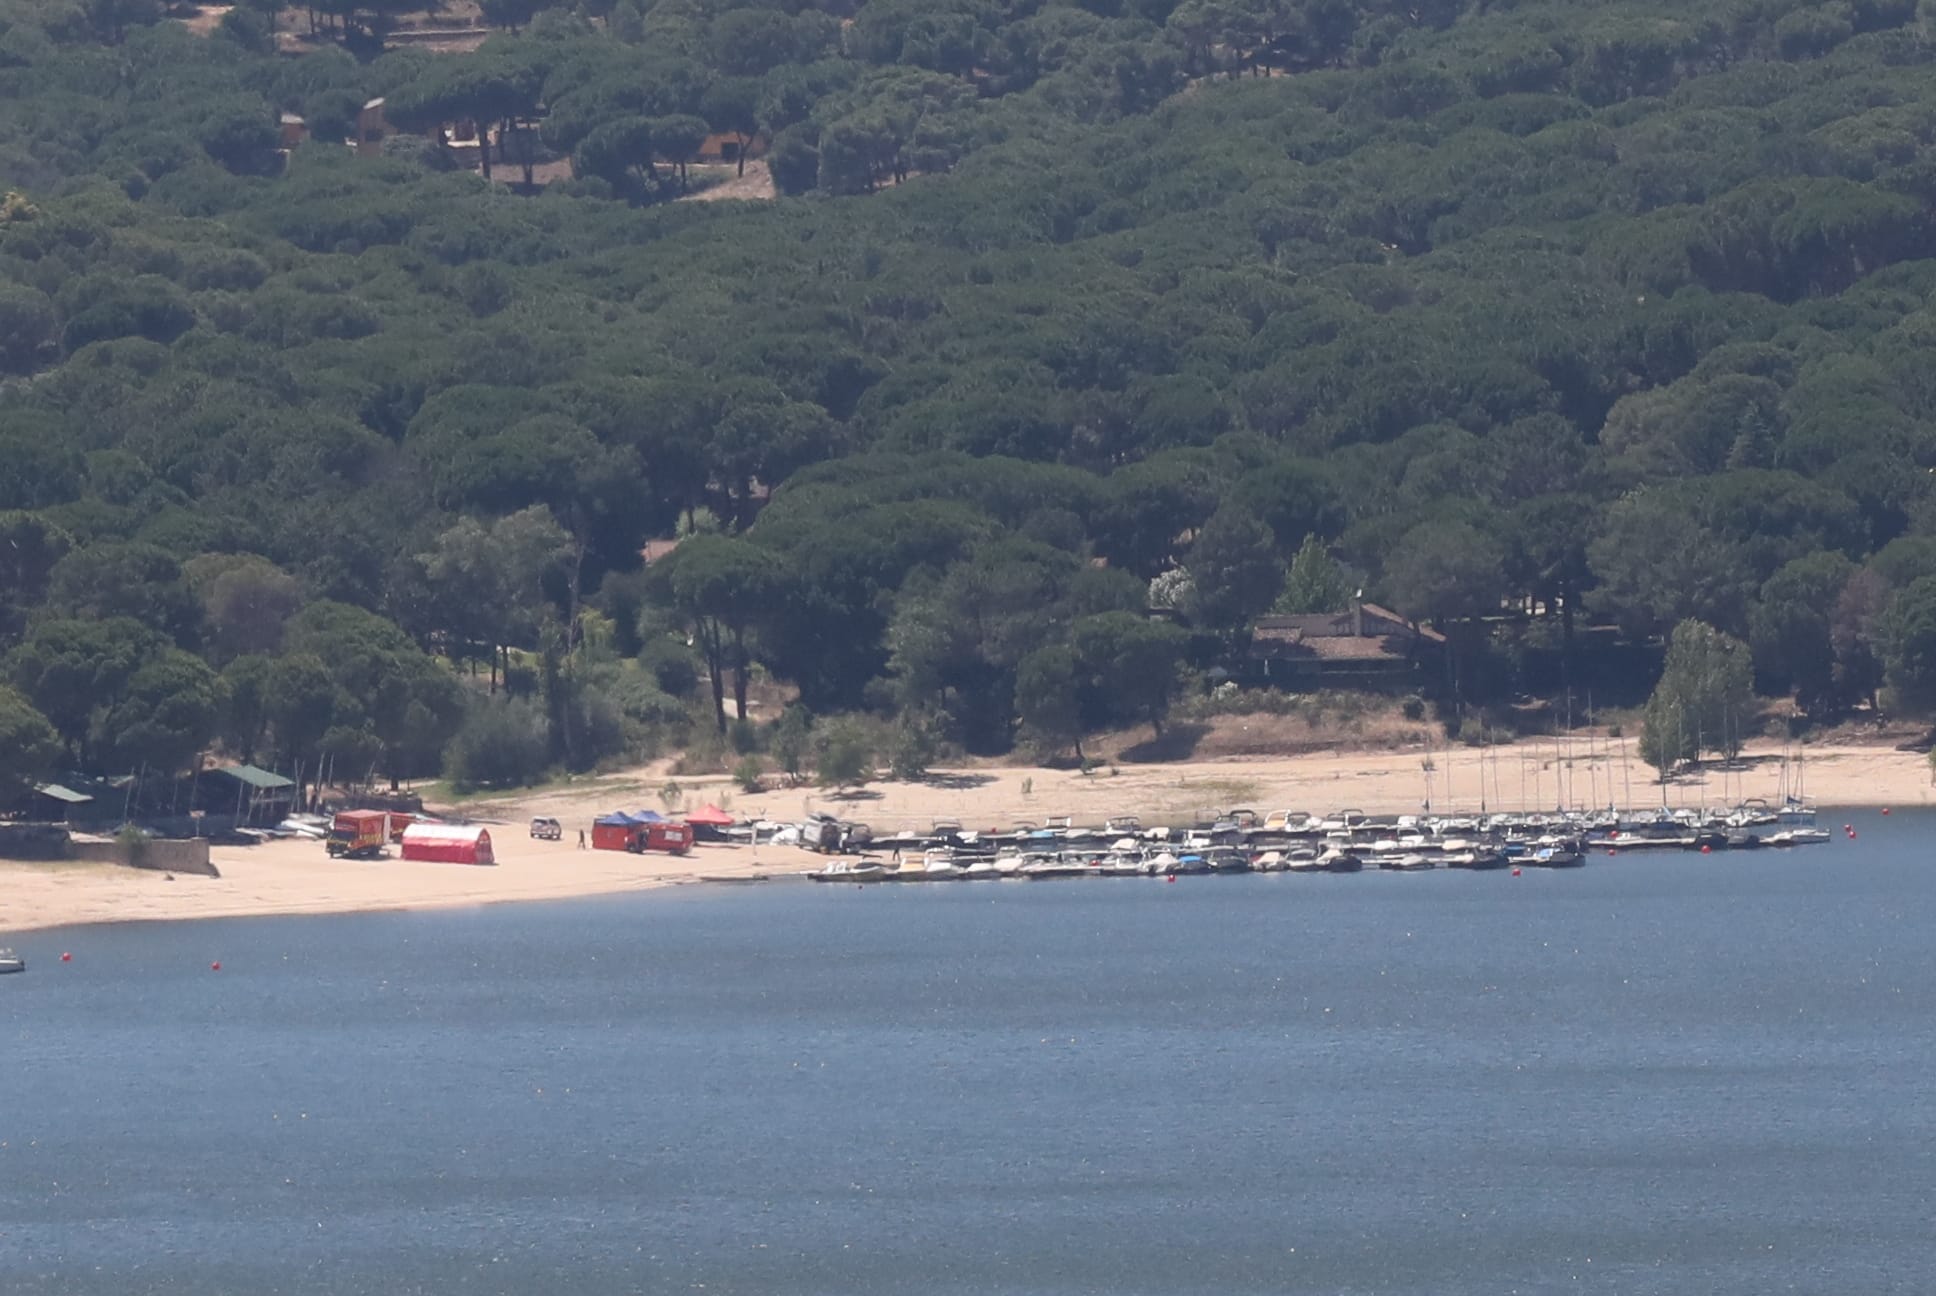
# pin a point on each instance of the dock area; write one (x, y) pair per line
(1244, 841)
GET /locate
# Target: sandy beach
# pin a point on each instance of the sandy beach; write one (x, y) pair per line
(296, 877)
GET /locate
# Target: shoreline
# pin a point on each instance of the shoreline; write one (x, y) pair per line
(295, 878)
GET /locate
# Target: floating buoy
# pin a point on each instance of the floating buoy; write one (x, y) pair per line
(1515, 872)
(1885, 809)
(1707, 850)
(1848, 828)
(67, 958)
(1851, 834)
(1170, 878)
(215, 966)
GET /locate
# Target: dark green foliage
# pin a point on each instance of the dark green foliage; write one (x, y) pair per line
(1234, 570)
(1907, 635)
(29, 747)
(502, 743)
(1704, 700)
(1506, 314)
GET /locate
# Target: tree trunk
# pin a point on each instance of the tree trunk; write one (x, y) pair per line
(708, 635)
(742, 152)
(484, 148)
(739, 672)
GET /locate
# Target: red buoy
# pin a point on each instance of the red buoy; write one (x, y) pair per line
(67, 958)
(215, 966)
(1612, 851)
(1170, 878)
(1851, 834)
(1707, 850)
(1885, 809)
(1515, 872)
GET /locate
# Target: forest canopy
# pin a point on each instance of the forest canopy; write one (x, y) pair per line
(1531, 315)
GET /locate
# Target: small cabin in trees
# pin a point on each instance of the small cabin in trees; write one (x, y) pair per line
(726, 147)
(1366, 645)
(291, 130)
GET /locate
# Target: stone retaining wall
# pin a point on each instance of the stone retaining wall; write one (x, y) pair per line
(190, 856)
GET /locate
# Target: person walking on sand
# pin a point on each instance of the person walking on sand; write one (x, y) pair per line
(581, 839)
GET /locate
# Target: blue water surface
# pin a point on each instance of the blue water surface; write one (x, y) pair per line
(1678, 1074)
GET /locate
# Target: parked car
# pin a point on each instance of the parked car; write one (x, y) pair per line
(545, 828)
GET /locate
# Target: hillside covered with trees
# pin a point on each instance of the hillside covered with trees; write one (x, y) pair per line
(1523, 317)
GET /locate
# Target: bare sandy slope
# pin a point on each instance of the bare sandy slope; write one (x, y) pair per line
(297, 877)
(1535, 774)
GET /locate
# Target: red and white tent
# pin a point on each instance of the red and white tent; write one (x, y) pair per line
(448, 844)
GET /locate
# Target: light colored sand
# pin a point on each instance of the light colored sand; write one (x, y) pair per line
(297, 877)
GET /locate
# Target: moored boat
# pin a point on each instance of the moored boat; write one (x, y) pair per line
(849, 871)
(1336, 860)
(11, 962)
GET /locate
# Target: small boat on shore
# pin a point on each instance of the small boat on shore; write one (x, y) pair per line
(11, 962)
(849, 871)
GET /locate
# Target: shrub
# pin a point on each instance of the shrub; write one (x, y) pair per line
(748, 773)
(503, 743)
(912, 748)
(790, 737)
(845, 760)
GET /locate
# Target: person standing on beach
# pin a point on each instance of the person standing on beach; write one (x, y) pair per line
(581, 839)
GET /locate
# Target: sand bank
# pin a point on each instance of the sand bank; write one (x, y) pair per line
(297, 877)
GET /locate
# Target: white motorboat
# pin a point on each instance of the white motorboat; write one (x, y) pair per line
(11, 962)
(849, 871)
(1160, 863)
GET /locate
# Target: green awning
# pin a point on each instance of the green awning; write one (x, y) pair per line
(60, 793)
(256, 778)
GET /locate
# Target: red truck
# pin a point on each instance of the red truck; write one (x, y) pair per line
(359, 834)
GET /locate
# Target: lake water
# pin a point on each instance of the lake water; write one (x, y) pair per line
(1673, 1075)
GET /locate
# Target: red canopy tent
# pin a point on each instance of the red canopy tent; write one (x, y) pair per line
(710, 816)
(448, 844)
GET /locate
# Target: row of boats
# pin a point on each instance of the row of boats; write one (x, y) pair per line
(1346, 842)
(1129, 859)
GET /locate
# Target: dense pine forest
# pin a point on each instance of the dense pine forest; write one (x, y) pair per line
(1540, 322)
